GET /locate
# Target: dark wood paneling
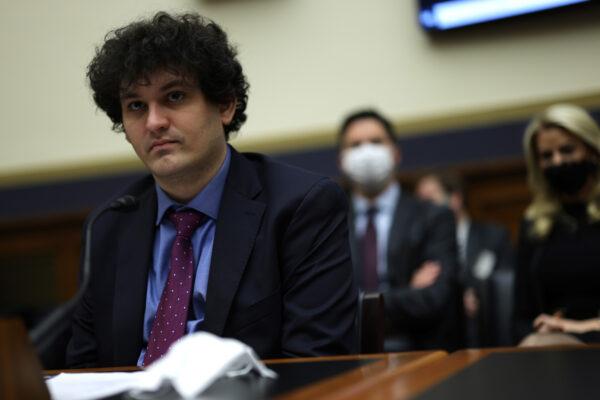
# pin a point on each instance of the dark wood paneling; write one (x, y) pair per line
(39, 262)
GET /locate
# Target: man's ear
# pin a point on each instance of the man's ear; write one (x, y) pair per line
(397, 154)
(339, 159)
(227, 111)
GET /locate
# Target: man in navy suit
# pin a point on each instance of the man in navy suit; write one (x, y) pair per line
(402, 247)
(485, 255)
(271, 263)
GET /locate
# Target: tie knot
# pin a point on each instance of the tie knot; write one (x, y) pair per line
(186, 222)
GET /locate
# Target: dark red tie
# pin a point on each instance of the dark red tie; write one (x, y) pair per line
(171, 315)
(371, 279)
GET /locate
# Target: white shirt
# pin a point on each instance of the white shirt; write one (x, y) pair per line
(385, 204)
(462, 235)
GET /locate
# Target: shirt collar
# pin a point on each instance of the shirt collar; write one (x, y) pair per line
(385, 202)
(207, 201)
(462, 227)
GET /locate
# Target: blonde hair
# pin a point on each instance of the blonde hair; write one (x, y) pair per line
(545, 204)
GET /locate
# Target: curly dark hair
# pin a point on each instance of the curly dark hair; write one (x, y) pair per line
(188, 44)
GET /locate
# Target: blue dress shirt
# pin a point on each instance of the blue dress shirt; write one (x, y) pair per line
(385, 204)
(207, 202)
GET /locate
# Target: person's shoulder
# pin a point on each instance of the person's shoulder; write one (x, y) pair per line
(274, 175)
(490, 229)
(423, 208)
(267, 165)
(490, 235)
(285, 187)
(525, 228)
(141, 189)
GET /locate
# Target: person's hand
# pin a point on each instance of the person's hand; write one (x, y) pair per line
(555, 323)
(550, 339)
(426, 275)
(470, 303)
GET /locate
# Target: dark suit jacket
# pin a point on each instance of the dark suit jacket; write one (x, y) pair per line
(423, 318)
(485, 236)
(280, 279)
(495, 239)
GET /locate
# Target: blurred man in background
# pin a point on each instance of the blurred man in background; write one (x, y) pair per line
(483, 248)
(402, 247)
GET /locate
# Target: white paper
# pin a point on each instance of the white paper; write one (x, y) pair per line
(484, 265)
(89, 386)
(192, 364)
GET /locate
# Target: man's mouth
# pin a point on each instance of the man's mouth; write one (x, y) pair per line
(161, 144)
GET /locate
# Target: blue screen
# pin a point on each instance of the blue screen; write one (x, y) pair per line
(451, 14)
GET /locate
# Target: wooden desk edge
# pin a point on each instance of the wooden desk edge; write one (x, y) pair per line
(386, 368)
(417, 380)
(353, 384)
(266, 361)
(394, 375)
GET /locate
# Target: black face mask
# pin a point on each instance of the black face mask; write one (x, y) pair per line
(569, 178)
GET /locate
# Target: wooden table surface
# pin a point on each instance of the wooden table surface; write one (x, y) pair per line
(414, 381)
(389, 376)
(365, 379)
(384, 368)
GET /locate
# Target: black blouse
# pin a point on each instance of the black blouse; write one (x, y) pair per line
(560, 272)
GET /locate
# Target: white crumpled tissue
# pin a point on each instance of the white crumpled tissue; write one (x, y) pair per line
(192, 364)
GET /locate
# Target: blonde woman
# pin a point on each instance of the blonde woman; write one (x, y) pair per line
(558, 274)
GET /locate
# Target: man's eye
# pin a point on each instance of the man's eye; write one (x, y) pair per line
(567, 149)
(545, 155)
(175, 96)
(135, 106)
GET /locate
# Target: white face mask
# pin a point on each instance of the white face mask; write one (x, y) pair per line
(369, 165)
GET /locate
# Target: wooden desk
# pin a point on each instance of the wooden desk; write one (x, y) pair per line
(566, 372)
(517, 373)
(320, 377)
(352, 384)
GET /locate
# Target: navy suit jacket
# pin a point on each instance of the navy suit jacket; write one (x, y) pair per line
(487, 236)
(280, 280)
(490, 327)
(418, 318)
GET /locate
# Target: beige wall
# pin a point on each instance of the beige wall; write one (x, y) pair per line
(308, 62)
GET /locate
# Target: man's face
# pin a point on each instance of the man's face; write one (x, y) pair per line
(368, 130)
(173, 129)
(368, 157)
(429, 188)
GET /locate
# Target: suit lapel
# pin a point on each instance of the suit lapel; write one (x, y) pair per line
(135, 243)
(355, 247)
(398, 232)
(239, 220)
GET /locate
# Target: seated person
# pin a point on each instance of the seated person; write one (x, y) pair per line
(402, 247)
(228, 243)
(483, 248)
(558, 255)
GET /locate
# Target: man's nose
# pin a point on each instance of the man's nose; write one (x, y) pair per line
(557, 158)
(157, 119)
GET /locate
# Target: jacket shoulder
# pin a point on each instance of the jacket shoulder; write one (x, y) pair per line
(275, 175)
(141, 188)
(490, 230)
(424, 209)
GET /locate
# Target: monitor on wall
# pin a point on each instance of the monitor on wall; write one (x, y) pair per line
(443, 15)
